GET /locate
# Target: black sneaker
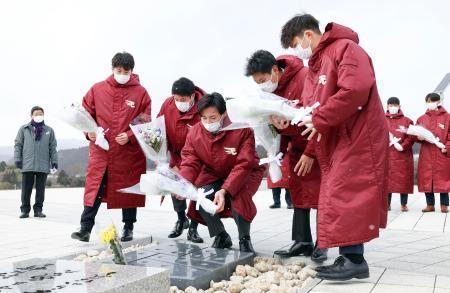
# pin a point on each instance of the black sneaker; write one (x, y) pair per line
(39, 214)
(81, 235)
(24, 215)
(193, 235)
(222, 241)
(245, 245)
(180, 225)
(343, 270)
(275, 206)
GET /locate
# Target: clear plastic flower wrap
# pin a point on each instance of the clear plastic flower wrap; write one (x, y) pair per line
(418, 130)
(255, 108)
(79, 118)
(269, 139)
(166, 181)
(151, 136)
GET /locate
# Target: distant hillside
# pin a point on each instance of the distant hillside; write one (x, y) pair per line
(73, 161)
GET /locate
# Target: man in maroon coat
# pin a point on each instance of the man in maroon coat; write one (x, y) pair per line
(180, 112)
(401, 161)
(434, 163)
(351, 139)
(114, 103)
(227, 163)
(285, 76)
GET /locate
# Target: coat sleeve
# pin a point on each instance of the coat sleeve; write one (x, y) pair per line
(355, 77)
(18, 146)
(89, 105)
(52, 148)
(245, 162)
(145, 109)
(409, 140)
(191, 164)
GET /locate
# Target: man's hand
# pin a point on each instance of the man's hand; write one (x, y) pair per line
(219, 200)
(19, 164)
(92, 136)
(398, 147)
(122, 138)
(278, 122)
(420, 138)
(444, 150)
(307, 122)
(304, 165)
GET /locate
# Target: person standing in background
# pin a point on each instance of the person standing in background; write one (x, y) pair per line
(401, 162)
(433, 172)
(35, 153)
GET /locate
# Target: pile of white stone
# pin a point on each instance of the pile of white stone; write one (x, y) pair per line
(267, 275)
(95, 255)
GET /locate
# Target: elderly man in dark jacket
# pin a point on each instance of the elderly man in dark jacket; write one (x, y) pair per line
(35, 153)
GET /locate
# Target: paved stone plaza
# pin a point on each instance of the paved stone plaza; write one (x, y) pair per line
(412, 255)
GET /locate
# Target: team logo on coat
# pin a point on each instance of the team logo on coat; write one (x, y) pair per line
(230, 151)
(130, 104)
(441, 126)
(322, 79)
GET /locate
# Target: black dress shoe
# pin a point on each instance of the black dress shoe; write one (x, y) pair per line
(319, 255)
(275, 206)
(296, 249)
(24, 215)
(193, 235)
(81, 235)
(39, 215)
(245, 245)
(127, 235)
(222, 241)
(343, 269)
(180, 225)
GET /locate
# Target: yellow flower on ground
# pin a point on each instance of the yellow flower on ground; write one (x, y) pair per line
(108, 234)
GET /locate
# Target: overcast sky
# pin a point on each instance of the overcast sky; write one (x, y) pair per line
(53, 51)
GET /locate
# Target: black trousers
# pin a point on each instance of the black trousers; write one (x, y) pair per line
(88, 216)
(301, 226)
(214, 223)
(403, 198)
(28, 181)
(430, 198)
(179, 205)
(276, 193)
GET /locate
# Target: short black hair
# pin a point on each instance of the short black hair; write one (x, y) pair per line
(212, 100)
(393, 101)
(124, 60)
(36, 108)
(434, 97)
(296, 26)
(183, 87)
(261, 61)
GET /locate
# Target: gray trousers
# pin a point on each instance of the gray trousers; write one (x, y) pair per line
(214, 223)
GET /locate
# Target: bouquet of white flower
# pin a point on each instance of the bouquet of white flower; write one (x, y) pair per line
(151, 136)
(167, 182)
(418, 130)
(78, 117)
(270, 140)
(254, 110)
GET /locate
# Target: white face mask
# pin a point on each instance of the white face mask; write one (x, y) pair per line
(212, 127)
(38, 119)
(303, 53)
(269, 86)
(393, 110)
(122, 78)
(183, 106)
(432, 105)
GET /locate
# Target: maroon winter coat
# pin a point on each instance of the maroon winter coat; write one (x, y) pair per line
(401, 164)
(178, 125)
(230, 156)
(353, 153)
(284, 181)
(434, 166)
(114, 106)
(304, 189)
